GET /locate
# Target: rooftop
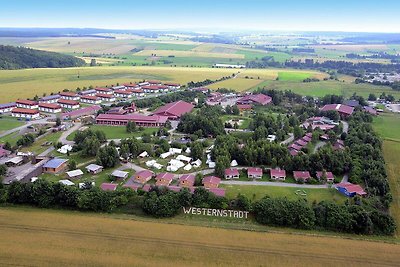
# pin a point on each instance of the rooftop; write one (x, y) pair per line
(54, 163)
(177, 108)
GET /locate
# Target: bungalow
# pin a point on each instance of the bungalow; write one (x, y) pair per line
(90, 99)
(68, 104)
(75, 174)
(328, 175)
(7, 107)
(187, 180)
(123, 93)
(301, 175)
(343, 110)
(231, 173)
(129, 86)
(106, 97)
(257, 99)
(164, 179)
(254, 173)
(90, 92)
(105, 91)
(278, 174)
(136, 92)
(25, 113)
(163, 88)
(69, 96)
(118, 87)
(50, 99)
(154, 82)
(211, 181)
(143, 176)
(29, 104)
(94, 168)
(108, 187)
(119, 174)
(49, 107)
(55, 165)
(350, 190)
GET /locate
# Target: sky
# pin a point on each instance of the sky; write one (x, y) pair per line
(277, 15)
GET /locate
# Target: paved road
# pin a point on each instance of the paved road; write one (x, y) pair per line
(345, 126)
(289, 140)
(318, 146)
(345, 178)
(64, 135)
(279, 184)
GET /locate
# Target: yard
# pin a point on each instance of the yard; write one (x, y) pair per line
(116, 132)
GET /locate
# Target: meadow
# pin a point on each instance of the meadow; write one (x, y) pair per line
(8, 123)
(68, 238)
(116, 132)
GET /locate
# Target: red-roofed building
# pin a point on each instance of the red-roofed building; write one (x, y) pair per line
(174, 110)
(152, 89)
(254, 173)
(134, 187)
(108, 186)
(48, 107)
(293, 152)
(143, 176)
(187, 180)
(306, 138)
(343, 110)
(328, 175)
(278, 174)
(301, 142)
(139, 119)
(136, 92)
(164, 179)
(154, 82)
(301, 175)
(370, 110)
(7, 107)
(68, 104)
(231, 173)
(146, 188)
(258, 99)
(28, 104)
(69, 96)
(123, 93)
(131, 86)
(173, 86)
(244, 107)
(295, 147)
(211, 181)
(81, 113)
(106, 91)
(350, 190)
(90, 99)
(25, 113)
(106, 97)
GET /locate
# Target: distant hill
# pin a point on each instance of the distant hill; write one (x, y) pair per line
(12, 57)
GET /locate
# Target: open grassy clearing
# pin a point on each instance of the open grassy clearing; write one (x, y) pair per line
(39, 145)
(8, 123)
(177, 53)
(71, 238)
(387, 126)
(116, 132)
(293, 76)
(256, 192)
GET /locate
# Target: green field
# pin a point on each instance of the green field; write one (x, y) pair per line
(38, 146)
(116, 132)
(387, 126)
(293, 76)
(255, 192)
(8, 123)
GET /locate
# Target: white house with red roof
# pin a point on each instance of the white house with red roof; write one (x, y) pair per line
(211, 181)
(25, 113)
(140, 120)
(106, 97)
(106, 91)
(29, 104)
(50, 107)
(231, 173)
(301, 176)
(254, 173)
(7, 107)
(174, 110)
(123, 93)
(70, 96)
(68, 104)
(278, 174)
(143, 176)
(90, 99)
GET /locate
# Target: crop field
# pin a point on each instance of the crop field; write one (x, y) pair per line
(79, 239)
(255, 192)
(293, 76)
(166, 53)
(238, 84)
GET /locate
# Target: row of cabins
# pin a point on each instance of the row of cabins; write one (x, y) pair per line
(297, 145)
(277, 174)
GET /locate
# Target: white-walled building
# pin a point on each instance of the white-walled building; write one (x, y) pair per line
(123, 93)
(49, 107)
(106, 97)
(25, 113)
(69, 96)
(50, 99)
(88, 99)
(29, 104)
(68, 104)
(7, 107)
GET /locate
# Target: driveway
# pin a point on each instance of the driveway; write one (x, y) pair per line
(288, 140)
(64, 135)
(345, 126)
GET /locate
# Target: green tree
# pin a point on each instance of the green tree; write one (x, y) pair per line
(130, 127)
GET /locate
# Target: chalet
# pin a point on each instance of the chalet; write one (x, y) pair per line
(68, 104)
(254, 173)
(94, 168)
(119, 174)
(123, 93)
(350, 190)
(49, 107)
(90, 92)
(187, 180)
(69, 96)
(343, 110)
(174, 110)
(7, 107)
(75, 174)
(301, 176)
(257, 99)
(81, 113)
(143, 176)
(231, 173)
(108, 187)
(328, 175)
(55, 165)
(105, 91)
(139, 119)
(90, 99)
(50, 99)
(211, 181)
(26, 113)
(29, 104)
(278, 174)
(164, 179)
(106, 97)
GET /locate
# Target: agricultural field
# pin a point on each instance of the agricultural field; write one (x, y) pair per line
(238, 84)
(256, 192)
(68, 238)
(193, 54)
(387, 125)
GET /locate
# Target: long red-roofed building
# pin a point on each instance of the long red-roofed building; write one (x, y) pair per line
(343, 110)
(139, 119)
(29, 104)
(25, 113)
(258, 99)
(174, 110)
(50, 107)
(350, 189)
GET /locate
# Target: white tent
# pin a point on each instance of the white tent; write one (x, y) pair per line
(211, 164)
(64, 149)
(188, 151)
(150, 163)
(66, 182)
(234, 163)
(166, 155)
(178, 164)
(143, 154)
(175, 150)
(196, 163)
(184, 158)
(81, 185)
(158, 166)
(188, 167)
(172, 168)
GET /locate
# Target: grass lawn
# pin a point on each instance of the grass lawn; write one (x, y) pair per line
(12, 138)
(293, 76)
(387, 125)
(37, 147)
(8, 123)
(255, 192)
(116, 132)
(245, 120)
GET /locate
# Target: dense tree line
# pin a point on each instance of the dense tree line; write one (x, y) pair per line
(206, 82)
(187, 96)
(12, 57)
(89, 142)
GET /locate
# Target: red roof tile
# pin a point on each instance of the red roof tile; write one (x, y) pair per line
(212, 180)
(231, 172)
(176, 109)
(26, 102)
(278, 173)
(24, 111)
(254, 171)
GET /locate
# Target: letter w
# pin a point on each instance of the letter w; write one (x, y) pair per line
(186, 211)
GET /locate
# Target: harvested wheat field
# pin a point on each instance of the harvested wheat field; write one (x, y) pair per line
(37, 237)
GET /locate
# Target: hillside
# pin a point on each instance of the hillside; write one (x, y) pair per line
(12, 57)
